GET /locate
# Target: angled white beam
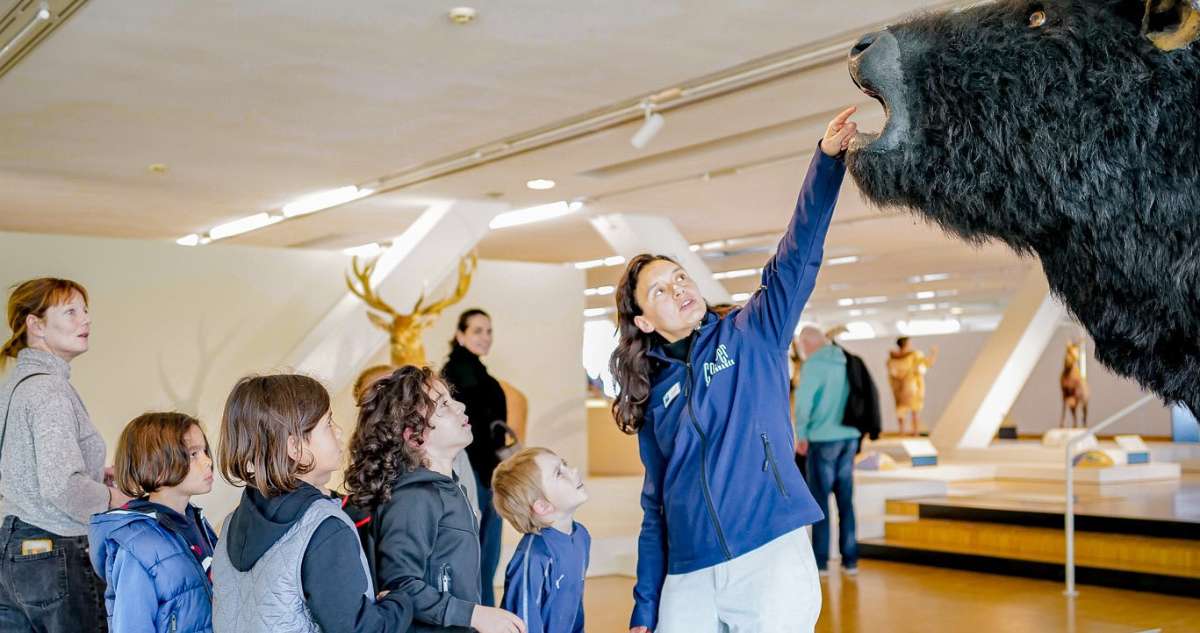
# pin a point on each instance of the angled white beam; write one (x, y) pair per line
(996, 378)
(335, 350)
(631, 235)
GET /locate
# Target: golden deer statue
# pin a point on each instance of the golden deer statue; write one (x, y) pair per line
(405, 330)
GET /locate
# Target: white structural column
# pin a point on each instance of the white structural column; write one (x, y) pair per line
(335, 350)
(995, 379)
(631, 235)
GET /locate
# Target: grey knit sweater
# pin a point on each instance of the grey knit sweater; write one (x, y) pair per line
(52, 463)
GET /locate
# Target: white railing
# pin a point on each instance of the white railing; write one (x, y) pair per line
(1070, 493)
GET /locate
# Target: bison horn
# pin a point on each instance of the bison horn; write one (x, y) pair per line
(1172, 24)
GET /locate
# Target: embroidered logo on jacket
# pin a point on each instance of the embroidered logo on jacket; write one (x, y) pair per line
(722, 362)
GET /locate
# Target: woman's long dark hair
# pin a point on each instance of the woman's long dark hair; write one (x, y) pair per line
(379, 453)
(629, 364)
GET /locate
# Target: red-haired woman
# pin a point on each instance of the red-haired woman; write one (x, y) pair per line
(52, 477)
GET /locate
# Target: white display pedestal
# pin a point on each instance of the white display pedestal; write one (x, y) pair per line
(1058, 438)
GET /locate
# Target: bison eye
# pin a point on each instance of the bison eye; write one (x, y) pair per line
(1037, 19)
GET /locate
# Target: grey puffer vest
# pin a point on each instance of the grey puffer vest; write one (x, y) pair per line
(269, 597)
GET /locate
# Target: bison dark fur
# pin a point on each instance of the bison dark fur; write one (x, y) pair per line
(1076, 140)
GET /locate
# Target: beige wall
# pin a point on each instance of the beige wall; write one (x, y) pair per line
(611, 453)
(175, 327)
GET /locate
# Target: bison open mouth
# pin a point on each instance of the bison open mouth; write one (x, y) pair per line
(875, 69)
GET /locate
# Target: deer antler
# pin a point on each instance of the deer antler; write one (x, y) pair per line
(466, 268)
(366, 293)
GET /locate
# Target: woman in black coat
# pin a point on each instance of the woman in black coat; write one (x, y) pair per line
(485, 405)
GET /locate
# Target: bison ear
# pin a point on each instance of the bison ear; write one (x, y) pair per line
(1171, 24)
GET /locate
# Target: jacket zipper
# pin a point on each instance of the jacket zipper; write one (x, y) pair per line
(712, 510)
(444, 581)
(188, 548)
(174, 626)
(474, 528)
(771, 460)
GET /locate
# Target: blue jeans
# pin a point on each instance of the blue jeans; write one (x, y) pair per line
(831, 469)
(490, 532)
(54, 591)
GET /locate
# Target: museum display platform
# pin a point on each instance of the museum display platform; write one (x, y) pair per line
(1143, 536)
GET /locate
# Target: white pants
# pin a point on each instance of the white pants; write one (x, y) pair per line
(773, 589)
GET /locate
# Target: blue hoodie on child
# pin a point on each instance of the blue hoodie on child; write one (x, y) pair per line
(155, 574)
(543, 584)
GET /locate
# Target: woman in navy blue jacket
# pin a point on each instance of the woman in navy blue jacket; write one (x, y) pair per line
(722, 544)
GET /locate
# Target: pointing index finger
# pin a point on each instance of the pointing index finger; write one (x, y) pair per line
(840, 119)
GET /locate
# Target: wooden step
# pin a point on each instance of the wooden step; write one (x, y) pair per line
(901, 507)
(1152, 555)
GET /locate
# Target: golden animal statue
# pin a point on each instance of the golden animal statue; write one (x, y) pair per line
(405, 330)
(1074, 386)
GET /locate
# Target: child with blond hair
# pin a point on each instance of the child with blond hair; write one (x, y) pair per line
(538, 493)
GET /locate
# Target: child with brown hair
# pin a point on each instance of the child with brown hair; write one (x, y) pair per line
(154, 552)
(537, 492)
(289, 558)
(424, 536)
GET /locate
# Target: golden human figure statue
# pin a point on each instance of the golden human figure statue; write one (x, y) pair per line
(906, 372)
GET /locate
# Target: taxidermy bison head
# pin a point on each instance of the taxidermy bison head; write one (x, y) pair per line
(1066, 129)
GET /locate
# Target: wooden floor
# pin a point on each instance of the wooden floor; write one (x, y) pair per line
(897, 598)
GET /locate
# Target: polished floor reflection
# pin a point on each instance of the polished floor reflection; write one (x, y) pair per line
(897, 598)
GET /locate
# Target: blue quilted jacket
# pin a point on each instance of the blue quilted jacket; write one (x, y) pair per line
(154, 581)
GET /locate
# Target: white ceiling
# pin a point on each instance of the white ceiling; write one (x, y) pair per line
(253, 104)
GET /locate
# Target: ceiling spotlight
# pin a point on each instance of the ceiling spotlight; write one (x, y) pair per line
(462, 15)
(41, 15)
(540, 184)
(650, 128)
(189, 240)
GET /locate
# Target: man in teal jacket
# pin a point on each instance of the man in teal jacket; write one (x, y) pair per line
(828, 444)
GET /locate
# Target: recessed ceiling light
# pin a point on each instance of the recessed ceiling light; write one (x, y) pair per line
(533, 214)
(321, 200)
(540, 184)
(189, 240)
(462, 15)
(734, 274)
(841, 261)
(243, 225)
(365, 251)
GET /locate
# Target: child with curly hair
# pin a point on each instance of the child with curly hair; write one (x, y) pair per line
(423, 535)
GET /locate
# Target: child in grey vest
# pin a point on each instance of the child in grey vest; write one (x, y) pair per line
(289, 559)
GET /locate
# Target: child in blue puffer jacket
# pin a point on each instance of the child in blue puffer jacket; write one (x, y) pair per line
(154, 552)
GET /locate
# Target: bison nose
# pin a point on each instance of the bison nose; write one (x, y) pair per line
(863, 44)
